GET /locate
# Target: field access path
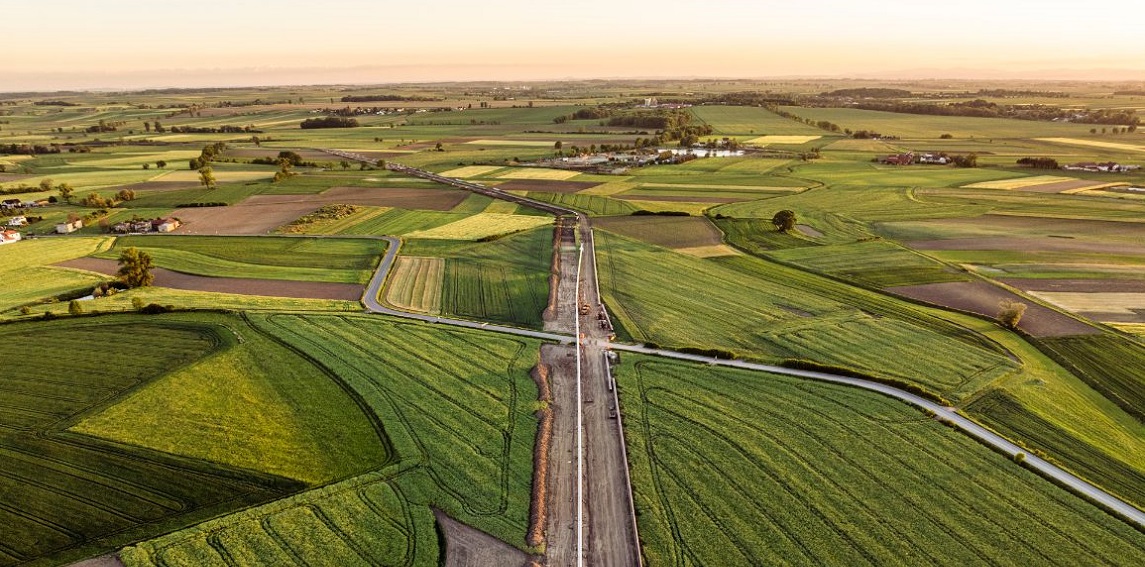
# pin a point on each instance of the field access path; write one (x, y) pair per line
(598, 461)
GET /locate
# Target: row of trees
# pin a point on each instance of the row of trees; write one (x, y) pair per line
(329, 122)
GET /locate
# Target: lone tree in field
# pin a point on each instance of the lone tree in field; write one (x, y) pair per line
(784, 220)
(135, 268)
(1010, 313)
(207, 177)
(66, 192)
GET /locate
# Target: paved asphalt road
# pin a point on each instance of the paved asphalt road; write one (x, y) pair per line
(1044, 467)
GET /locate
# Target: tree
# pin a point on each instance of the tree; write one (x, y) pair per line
(784, 220)
(65, 191)
(75, 308)
(135, 268)
(345, 164)
(160, 164)
(207, 177)
(1010, 313)
(46, 185)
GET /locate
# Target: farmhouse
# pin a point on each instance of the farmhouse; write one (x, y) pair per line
(10, 204)
(898, 159)
(9, 236)
(933, 159)
(18, 221)
(165, 225)
(69, 227)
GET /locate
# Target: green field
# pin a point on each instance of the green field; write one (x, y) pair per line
(734, 467)
(68, 494)
(1109, 363)
(335, 435)
(504, 280)
(763, 310)
(923, 126)
(749, 121)
(461, 413)
(365, 520)
(257, 406)
(396, 222)
(873, 263)
(27, 272)
(275, 258)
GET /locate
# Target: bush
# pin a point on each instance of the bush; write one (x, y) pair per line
(155, 309)
(712, 352)
(207, 204)
(1010, 313)
(643, 213)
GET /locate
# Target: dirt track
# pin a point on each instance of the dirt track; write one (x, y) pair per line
(243, 286)
(609, 530)
(469, 547)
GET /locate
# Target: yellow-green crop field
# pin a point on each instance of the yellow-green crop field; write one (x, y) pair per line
(481, 225)
(415, 284)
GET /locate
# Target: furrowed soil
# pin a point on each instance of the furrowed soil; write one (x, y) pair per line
(470, 547)
(984, 299)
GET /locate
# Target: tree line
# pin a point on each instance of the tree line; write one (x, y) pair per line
(389, 98)
(329, 122)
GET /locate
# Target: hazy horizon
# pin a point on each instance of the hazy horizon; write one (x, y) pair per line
(133, 44)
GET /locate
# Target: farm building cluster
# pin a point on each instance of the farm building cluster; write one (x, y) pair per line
(911, 158)
(144, 225)
(1106, 167)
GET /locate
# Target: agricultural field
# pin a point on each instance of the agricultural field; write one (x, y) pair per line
(461, 430)
(482, 226)
(275, 258)
(340, 435)
(668, 231)
(70, 491)
(765, 311)
(504, 280)
(457, 406)
(746, 121)
(931, 127)
(538, 173)
(874, 263)
(415, 284)
(28, 275)
(801, 472)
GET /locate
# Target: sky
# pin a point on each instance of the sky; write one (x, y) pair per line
(65, 44)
